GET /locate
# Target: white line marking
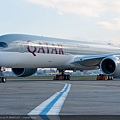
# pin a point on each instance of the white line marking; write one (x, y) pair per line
(52, 105)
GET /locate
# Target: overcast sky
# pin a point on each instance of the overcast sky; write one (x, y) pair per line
(88, 20)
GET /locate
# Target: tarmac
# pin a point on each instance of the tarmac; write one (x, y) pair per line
(20, 97)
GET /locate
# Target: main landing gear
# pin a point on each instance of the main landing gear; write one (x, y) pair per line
(104, 77)
(61, 76)
(2, 78)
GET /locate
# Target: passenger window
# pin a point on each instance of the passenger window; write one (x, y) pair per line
(3, 44)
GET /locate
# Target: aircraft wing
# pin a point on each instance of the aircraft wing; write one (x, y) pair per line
(89, 61)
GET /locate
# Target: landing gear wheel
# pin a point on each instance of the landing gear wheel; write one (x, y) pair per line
(110, 77)
(3, 79)
(60, 77)
(68, 77)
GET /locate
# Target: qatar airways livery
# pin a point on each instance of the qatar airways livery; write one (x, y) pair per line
(25, 53)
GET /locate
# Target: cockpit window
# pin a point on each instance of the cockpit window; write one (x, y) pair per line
(3, 44)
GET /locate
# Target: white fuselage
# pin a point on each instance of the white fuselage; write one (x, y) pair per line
(25, 51)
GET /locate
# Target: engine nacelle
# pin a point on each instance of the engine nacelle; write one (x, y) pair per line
(110, 66)
(24, 72)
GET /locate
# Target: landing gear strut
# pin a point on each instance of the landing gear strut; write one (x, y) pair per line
(2, 78)
(61, 76)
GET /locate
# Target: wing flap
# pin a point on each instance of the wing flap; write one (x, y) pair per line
(89, 61)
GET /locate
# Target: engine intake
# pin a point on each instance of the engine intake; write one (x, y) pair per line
(24, 72)
(110, 66)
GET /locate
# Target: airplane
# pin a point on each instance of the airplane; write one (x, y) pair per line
(25, 53)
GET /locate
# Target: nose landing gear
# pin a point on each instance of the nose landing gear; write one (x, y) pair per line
(2, 78)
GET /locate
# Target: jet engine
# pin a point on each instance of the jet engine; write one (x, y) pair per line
(24, 72)
(110, 66)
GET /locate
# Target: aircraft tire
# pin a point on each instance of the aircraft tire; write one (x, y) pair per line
(3, 79)
(110, 77)
(65, 77)
(68, 77)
